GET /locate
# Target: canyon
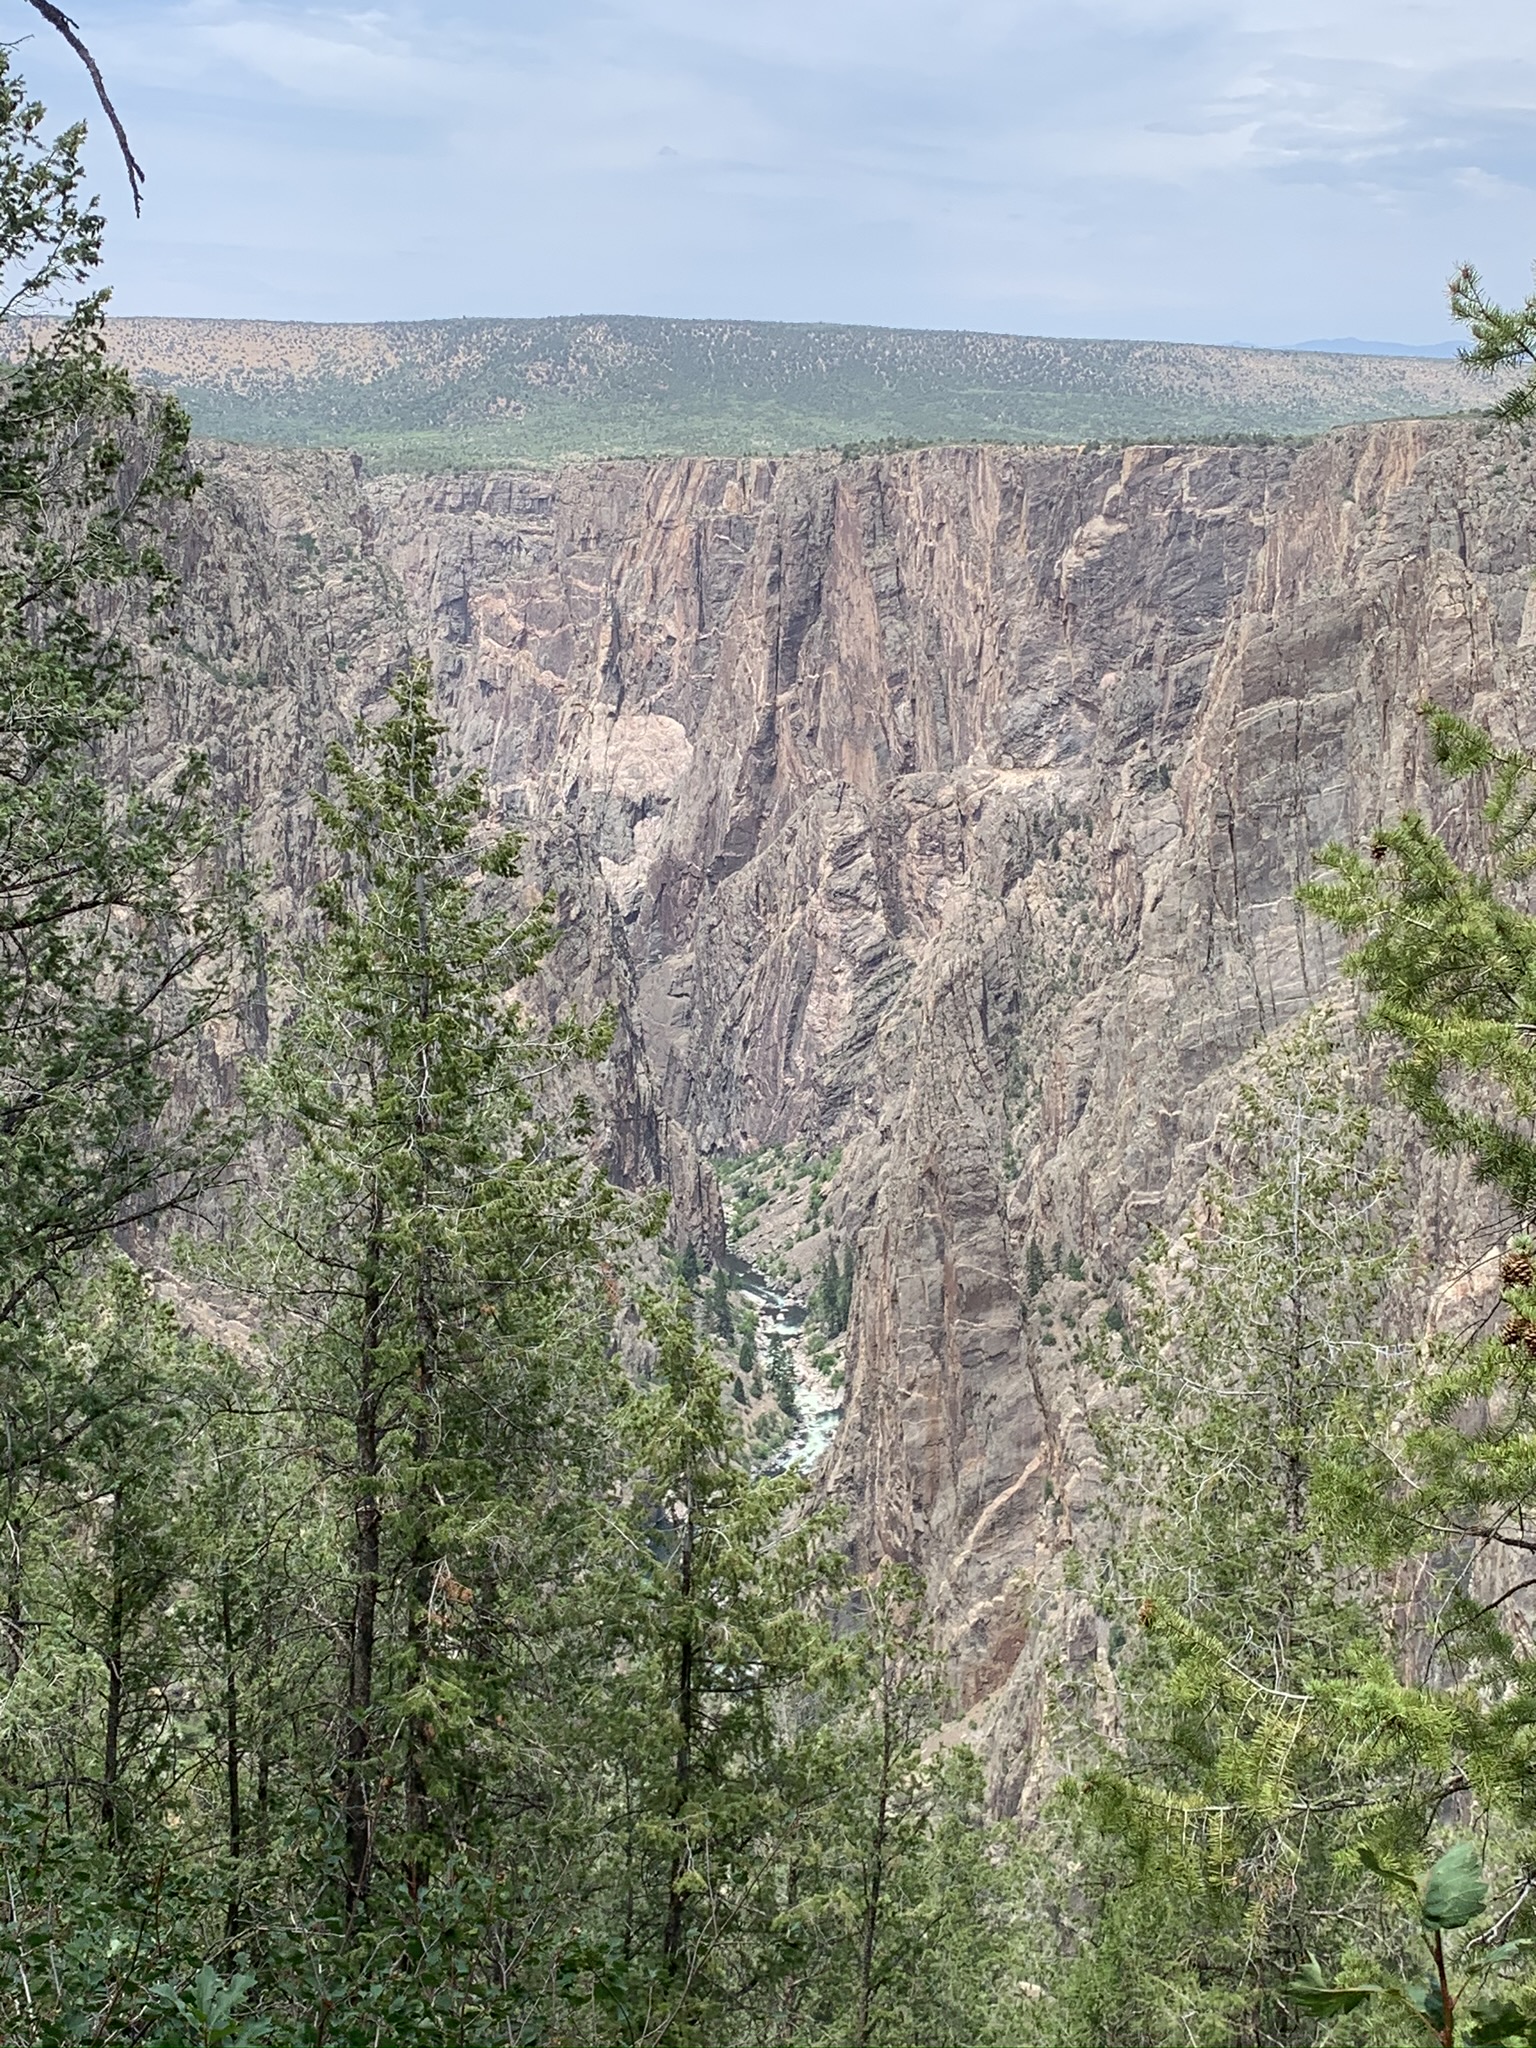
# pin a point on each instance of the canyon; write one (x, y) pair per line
(934, 816)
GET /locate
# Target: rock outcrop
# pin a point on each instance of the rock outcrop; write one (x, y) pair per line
(945, 808)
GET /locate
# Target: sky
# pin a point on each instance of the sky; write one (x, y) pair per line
(1206, 170)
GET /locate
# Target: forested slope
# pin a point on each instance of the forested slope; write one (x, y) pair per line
(439, 394)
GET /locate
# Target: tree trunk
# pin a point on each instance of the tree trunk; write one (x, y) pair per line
(231, 1751)
(419, 1732)
(11, 1625)
(111, 1764)
(366, 1548)
(876, 1882)
(682, 1769)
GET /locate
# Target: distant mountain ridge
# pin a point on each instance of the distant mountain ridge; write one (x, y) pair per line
(1352, 345)
(477, 393)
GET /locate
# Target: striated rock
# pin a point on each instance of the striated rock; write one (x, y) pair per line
(947, 808)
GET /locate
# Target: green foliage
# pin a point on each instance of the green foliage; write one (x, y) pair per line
(1263, 1734)
(1454, 1891)
(721, 1322)
(832, 1293)
(781, 1373)
(426, 1264)
(127, 1551)
(1450, 2004)
(1503, 338)
(207, 2012)
(1448, 954)
(115, 939)
(1450, 962)
(1036, 1272)
(112, 944)
(746, 1356)
(496, 392)
(427, 1666)
(412, 1676)
(714, 1633)
(1449, 957)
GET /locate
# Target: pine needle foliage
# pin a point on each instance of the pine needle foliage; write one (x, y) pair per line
(114, 936)
(1447, 954)
(1503, 338)
(427, 1263)
(1261, 1734)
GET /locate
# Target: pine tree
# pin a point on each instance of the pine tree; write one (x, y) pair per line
(1448, 954)
(832, 1294)
(781, 1373)
(721, 1321)
(134, 1716)
(1221, 1828)
(112, 949)
(427, 1261)
(1036, 1271)
(746, 1356)
(901, 1880)
(112, 945)
(720, 1634)
(116, 940)
(1503, 338)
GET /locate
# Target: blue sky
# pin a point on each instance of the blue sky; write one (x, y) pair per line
(1210, 170)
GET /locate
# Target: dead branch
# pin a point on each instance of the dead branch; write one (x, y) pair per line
(70, 31)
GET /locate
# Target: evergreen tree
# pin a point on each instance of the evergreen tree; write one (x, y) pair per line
(832, 1294)
(427, 1263)
(111, 945)
(1036, 1271)
(901, 1879)
(781, 1373)
(1447, 952)
(1449, 956)
(746, 1356)
(1219, 1837)
(115, 941)
(1503, 338)
(721, 1637)
(138, 1709)
(111, 949)
(721, 1321)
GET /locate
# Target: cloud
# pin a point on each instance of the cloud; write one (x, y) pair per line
(1207, 167)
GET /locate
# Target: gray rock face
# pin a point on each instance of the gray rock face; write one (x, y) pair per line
(946, 808)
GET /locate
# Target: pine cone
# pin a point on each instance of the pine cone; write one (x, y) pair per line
(1520, 1330)
(1518, 1269)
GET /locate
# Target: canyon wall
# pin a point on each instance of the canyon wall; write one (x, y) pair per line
(942, 811)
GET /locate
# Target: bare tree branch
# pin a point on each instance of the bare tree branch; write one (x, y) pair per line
(69, 30)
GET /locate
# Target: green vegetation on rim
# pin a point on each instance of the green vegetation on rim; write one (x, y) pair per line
(444, 393)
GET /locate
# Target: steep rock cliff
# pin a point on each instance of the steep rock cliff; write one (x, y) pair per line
(946, 808)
